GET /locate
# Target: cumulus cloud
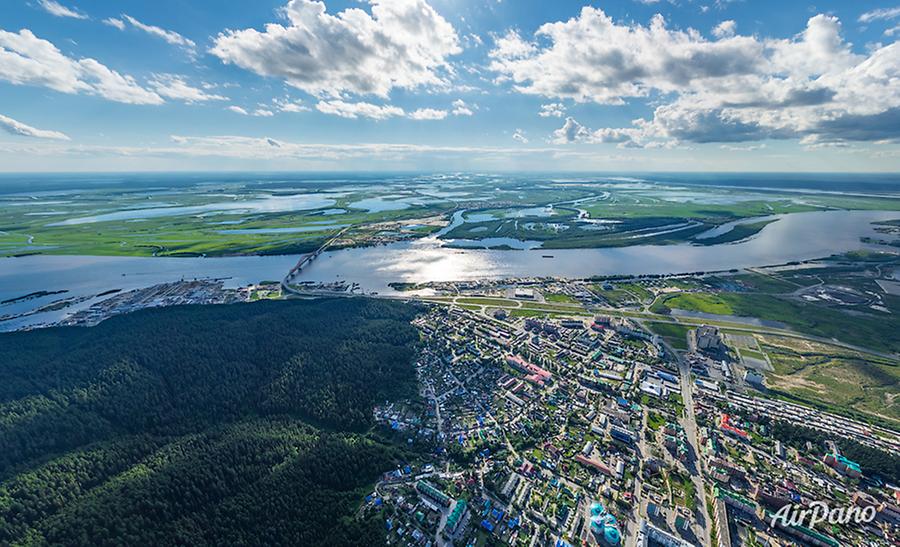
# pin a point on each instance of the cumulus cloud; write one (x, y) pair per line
(590, 58)
(574, 132)
(26, 59)
(428, 114)
(289, 105)
(570, 132)
(55, 8)
(238, 110)
(511, 46)
(172, 86)
(731, 89)
(359, 110)
(461, 108)
(555, 110)
(402, 44)
(725, 29)
(18, 128)
(519, 135)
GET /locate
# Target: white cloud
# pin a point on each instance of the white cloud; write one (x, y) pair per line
(26, 59)
(401, 44)
(743, 148)
(574, 132)
(461, 108)
(113, 22)
(172, 86)
(18, 128)
(266, 149)
(570, 132)
(288, 105)
(590, 58)
(55, 8)
(472, 40)
(359, 110)
(261, 112)
(519, 135)
(428, 114)
(732, 89)
(555, 110)
(255, 148)
(511, 46)
(725, 29)
(881, 14)
(169, 36)
(237, 152)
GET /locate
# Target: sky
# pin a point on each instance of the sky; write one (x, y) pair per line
(449, 85)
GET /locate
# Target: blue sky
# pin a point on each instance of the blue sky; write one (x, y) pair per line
(449, 85)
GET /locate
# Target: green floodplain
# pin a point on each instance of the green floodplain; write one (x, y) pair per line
(230, 218)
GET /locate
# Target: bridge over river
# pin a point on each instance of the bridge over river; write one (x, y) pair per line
(306, 260)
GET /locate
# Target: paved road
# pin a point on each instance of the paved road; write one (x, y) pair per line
(689, 422)
(690, 428)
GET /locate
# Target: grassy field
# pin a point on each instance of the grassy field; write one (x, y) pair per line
(753, 354)
(639, 291)
(616, 297)
(655, 420)
(655, 204)
(674, 335)
(563, 231)
(560, 298)
(835, 378)
(864, 330)
(764, 283)
(738, 233)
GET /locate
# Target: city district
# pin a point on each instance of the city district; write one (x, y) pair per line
(544, 429)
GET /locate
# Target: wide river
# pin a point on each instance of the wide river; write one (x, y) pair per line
(795, 237)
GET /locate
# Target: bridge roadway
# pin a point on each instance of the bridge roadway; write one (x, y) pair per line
(305, 260)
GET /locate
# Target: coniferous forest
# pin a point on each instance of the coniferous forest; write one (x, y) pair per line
(217, 425)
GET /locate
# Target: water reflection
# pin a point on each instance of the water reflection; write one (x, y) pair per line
(795, 237)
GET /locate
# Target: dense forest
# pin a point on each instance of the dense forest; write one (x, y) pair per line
(215, 425)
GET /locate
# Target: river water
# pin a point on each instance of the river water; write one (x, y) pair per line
(795, 237)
